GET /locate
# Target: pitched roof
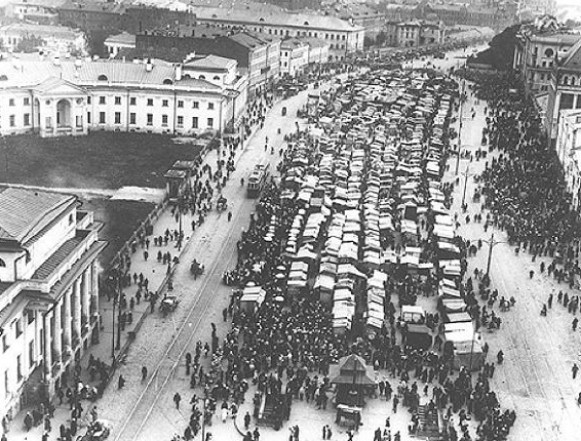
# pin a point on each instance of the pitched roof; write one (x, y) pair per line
(211, 62)
(272, 17)
(32, 73)
(573, 59)
(122, 38)
(23, 212)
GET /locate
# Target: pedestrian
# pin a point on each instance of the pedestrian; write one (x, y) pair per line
(575, 323)
(395, 403)
(256, 434)
(145, 255)
(246, 421)
(28, 421)
(120, 382)
(176, 399)
(224, 411)
(575, 369)
(143, 373)
(229, 216)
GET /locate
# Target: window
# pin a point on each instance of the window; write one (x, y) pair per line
(11, 102)
(31, 354)
(18, 327)
(27, 101)
(165, 103)
(89, 100)
(18, 367)
(101, 117)
(6, 383)
(210, 122)
(216, 78)
(132, 118)
(180, 121)
(195, 122)
(2, 263)
(5, 345)
(101, 100)
(210, 106)
(102, 77)
(27, 119)
(180, 104)
(549, 53)
(132, 101)
(117, 117)
(196, 105)
(149, 119)
(79, 121)
(150, 102)
(164, 120)
(343, 37)
(117, 100)
(12, 120)
(29, 316)
(88, 117)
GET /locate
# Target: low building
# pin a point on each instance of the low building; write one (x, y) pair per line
(120, 42)
(72, 97)
(29, 37)
(38, 11)
(294, 57)
(343, 37)
(49, 292)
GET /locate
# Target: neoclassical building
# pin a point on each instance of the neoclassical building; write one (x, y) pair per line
(49, 292)
(72, 97)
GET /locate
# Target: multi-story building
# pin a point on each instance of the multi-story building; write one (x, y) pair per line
(536, 52)
(568, 148)
(55, 39)
(343, 37)
(49, 292)
(294, 56)
(318, 50)
(55, 98)
(258, 55)
(415, 33)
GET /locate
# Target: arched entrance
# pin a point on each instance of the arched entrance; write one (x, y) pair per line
(63, 113)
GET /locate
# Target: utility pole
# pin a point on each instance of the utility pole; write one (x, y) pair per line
(466, 175)
(462, 90)
(119, 294)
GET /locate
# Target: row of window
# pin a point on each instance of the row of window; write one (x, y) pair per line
(25, 102)
(164, 103)
(150, 118)
(12, 120)
(15, 328)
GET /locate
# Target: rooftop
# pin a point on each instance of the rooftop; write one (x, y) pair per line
(23, 213)
(273, 17)
(93, 5)
(30, 73)
(211, 62)
(39, 30)
(59, 256)
(123, 38)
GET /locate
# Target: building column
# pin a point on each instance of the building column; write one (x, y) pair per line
(57, 333)
(47, 348)
(67, 321)
(77, 308)
(94, 289)
(85, 296)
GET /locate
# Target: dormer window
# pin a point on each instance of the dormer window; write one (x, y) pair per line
(306, 23)
(216, 78)
(167, 81)
(70, 219)
(102, 78)
(2, 264)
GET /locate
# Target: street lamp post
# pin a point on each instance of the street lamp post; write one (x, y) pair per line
(466, 176)
(491, 244)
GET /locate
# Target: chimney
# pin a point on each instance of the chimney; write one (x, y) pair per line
(178, 72)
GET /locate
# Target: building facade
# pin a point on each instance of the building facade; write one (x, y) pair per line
(56, 39)
(49, 292)
(71, 98)
(120, 42)
(568, 147)
(415, 33)
(32, 12)
(258, 55)
(343, 37)
(294, 57)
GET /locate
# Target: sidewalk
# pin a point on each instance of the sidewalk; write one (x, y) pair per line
(107, 350)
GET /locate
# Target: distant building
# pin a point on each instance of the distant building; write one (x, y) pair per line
(416, 33)
(318, 50)
(49, 292)
(258, 55)
(39, 12)
(120, 42)
(343, 37)
(72, 97)
(294, 56)
(57, 39)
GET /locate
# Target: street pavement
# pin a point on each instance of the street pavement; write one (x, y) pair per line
(535, 378)
(145, 410)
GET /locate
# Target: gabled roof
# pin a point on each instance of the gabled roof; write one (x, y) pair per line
(123, 38)
(211, 62)
(52, 84)
(24, 213)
